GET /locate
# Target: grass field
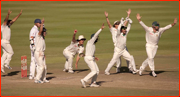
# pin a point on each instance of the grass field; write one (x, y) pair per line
(61, 18)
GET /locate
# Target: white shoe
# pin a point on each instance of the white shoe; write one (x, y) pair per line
(134, 72)
(7, 66)
(154, 74)
(30, 77)
(140, 71)
(2, 69)
(83, 83)
(38, 81)
(70, 71)
(94, 85)
(46, 81)
(117, 70)
(107, 73)
(65, 70)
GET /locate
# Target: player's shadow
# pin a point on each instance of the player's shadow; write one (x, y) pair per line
(122, 70)
(49, 73)
(11, 73)
(51, 77)
(80, 70)
(158, 72)
(100, 82)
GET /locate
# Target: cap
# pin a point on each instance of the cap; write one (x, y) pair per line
(44, 29)
(37, 21)
(81, 37)
(116, 23)
(123, 27)
(155, 23)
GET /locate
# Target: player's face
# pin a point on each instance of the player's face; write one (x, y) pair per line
(38, 24)
(81, 42)
(44, 34)
(156, 28)
(124, 31)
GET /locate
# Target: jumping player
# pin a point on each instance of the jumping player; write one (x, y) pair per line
(90, 59)
(153, 35)
(69, 52)
(40, 47)
(5, 41)
(113, 31)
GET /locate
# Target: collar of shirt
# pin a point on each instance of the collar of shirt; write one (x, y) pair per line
(35, 27)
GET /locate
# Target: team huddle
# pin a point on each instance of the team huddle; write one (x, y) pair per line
(119, 31)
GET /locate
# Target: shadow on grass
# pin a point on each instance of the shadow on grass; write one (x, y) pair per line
(11, 73)
(49, 73)
(80, 70)
(49, 78)
(100, 82)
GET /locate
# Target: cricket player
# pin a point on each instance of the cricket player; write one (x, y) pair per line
(90, 59)
(153, 35)
(120, 48)
(113, 31)
(40, 47)
(32, 35)
(5, 41)
(76, 47)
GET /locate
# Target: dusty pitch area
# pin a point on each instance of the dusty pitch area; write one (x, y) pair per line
(120, 84)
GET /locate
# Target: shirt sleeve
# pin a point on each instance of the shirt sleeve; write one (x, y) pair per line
(93, 39)
(144, 26)
(165, 28)
(2, 27)
(81, 49)
(128, 28)
(33, 32)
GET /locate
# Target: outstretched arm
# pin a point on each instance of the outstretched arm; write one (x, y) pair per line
(7, 17)
(97, 33)
(142, 24)
(74, 36)
(128, 14)
(106, 14)
(41, 27)
(13, 20)
(169, 26)
(175, 21)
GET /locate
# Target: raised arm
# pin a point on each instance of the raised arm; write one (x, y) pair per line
(175, 21)
(13, 20)
(169, 26)
(128, 14)
(41, 27)
(142, 24)
(7, 17)
(106, 14)
(93, 39)
(74, 36)
(129, 25)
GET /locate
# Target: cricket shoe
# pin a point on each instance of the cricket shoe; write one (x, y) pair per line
(154, 74)
(94, 85)
(46, 81)
(70, 71)
(117, 70)
(140, 71)
(107, 73)
(7, 66)
(135, 71)
(38, 82)
(83, 83)
(31, 77)
(2, 70)
(65, 70)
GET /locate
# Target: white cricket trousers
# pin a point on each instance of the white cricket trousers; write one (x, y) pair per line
(118, 62)
(33, 64)
(151, 52)
(41, 68)
(94, 69)
(7, 53)
(125, 55)
(69, 60)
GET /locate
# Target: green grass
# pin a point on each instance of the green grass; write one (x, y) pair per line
(61, 18)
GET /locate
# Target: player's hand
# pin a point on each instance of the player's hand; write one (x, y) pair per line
(42, 21)
(138, 16)
(96, 58)
(128, 12)
(103, 26)
(21, 11)
(9, 11)
(175, 20)
(75, 31)
(106, 14)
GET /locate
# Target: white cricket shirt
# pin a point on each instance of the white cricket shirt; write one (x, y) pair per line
(74, 48)
(40, 45)
(151, 37)
(6, 33)
(33, 32)
(121, 39)
(90, 46)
